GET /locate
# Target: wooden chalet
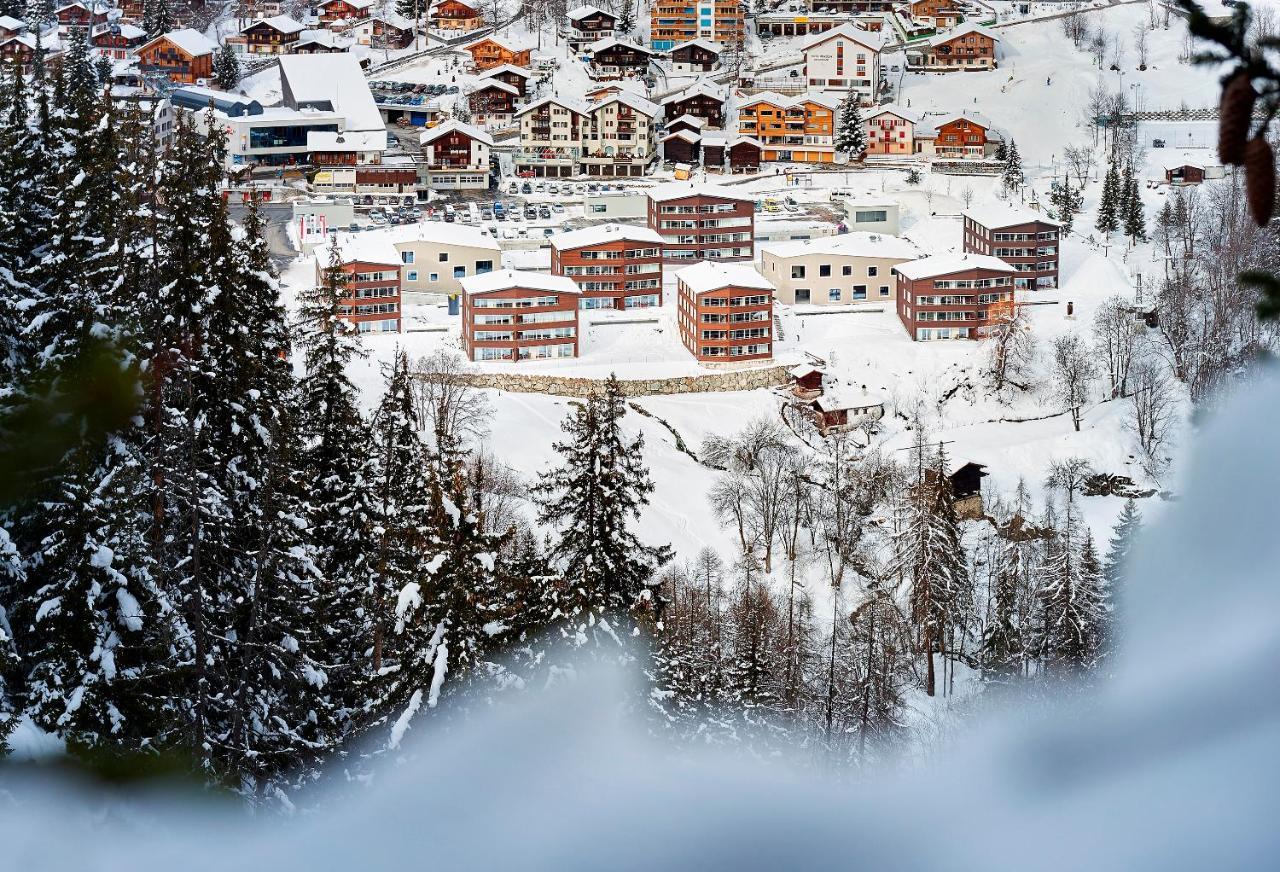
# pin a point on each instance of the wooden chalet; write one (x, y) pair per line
(837, 411)
(613, 59)
(493, 103)
(318, 42)
(687, 122)
(489, 52)
(509, 74)
(184, 56)
(272, 35)
(966, 48)
(388, 30)
(695, 56)
(684, 146)
(118, 42)
(745, 155)
(1184, 174)
(331, 11)
(81, 15)
(21, 50)
(703, 100)
(584, 25)
(10, 27)
(715, 145)
(806, 381)
(454, 16)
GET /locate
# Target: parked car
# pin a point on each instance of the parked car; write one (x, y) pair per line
(548, 231)
(553, 188)
(531, 212)
(526, 188)
(513, 188)
(544, 212)
(486, 214)
(557, 208)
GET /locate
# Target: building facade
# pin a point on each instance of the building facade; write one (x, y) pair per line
(724, 312)
(457, 157)
(672, 22)
(844, 60)
(561, 137)
(372, 300)
(791, 129)
(953, 296)
(849, 268)
(272, 35)
(344, 10)
(958, 136)
(1026, 240)
(454, 16)
(969, 47)
(703, 100)
(584, 25)
(615, 266)
(701, 222)
(514, 315)
(184, 56)
(614, 59)
(695, 56)
(118, 42)
(891, 131)
(488, 53)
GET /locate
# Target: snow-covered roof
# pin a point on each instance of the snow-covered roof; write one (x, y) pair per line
(709, 276)
(686, 135)
(702, 86)
(602, 233)
(128, 31)
(499, 85)
(952, 262)
(635, 101)
(896, 110)
(506, 279)
(962, 30)
(335, 80)
(929, 124)
(1005, 214)
(1179, 164)
(749, 140)
(856, 244)
(506, 68)
(440, 233)
(324, 37)
(8, 22)
(610, 41)
(282, 23)
(358, 4)
(699, 42)
(571, 103)
(470, 130)
(867, 38)
(804, 369)
(350, 140)
(715, 137)
(509, 46)
(189, 40)
(773, 98)
(364, 247)
(691, 120)
(395, 19)
(837, 399)
(580, 12)
(680, 190)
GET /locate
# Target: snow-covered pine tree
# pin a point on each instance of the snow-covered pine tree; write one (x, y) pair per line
(592, 499)
(157, 17)
(1116, 568)
(1066, 201)
(1109, 205)
(1011, 176)
(226, 68)
(1072, 601)
(1135, 222)
(851, 134)
(341, 469)
(876, 645)
(627, 17)
(754, 657)
(1001, 152)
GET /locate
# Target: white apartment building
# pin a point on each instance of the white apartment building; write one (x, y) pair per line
(844, 59)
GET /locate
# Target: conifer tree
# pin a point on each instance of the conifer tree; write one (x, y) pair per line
(157, 18)
(1011, 176)
(1109, 205)
(627, 17)
(851, 135)
(1115, 571)
(1135, 222)
(593, 499)
(1072, 598)
(1002, 151)
(1067, 202)
(226, 68)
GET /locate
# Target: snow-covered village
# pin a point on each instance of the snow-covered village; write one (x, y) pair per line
(764, 421)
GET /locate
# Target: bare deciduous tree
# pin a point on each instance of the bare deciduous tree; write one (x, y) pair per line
(1080, 161)
(1073, 374)
(446, 402)
(1010, 349)
(1076, 28)
(966, 196)
(1140, 45)
(1115, 336)
(1154, 410)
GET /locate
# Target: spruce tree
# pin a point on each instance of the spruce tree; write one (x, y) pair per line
(226, 68)
(1116, 569)
(627, 17)
(1109, 206)
(1135, 223)
(1011, 176)
(593, 499)
(851, 135)
(1066, 201)
(157, 18)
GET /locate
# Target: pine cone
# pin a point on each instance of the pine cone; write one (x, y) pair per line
(1235, 115)
(1260, 180)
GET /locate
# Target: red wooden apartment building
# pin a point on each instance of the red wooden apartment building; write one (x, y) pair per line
(373, 300)
(615, 266)
(725, 312)
(702, 222)
(1026, 240)
(516, 315)
(953, 296)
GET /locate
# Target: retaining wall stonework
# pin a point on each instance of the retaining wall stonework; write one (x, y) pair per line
(566, 386)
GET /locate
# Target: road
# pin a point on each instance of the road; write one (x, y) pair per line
(276, 217)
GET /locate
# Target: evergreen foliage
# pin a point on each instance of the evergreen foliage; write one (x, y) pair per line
(851, 135)
(1109, 206)
(1011, 176)
(226, 68)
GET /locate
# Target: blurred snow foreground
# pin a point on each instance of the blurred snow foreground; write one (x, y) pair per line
(1171, 765)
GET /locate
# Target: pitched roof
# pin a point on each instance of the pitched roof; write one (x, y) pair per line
(189, 40)
(1005, 214)
(506, 279)
(324, 37)
(894, 109)
(580, 12)
(635, 101)
(602, 233)
(358, 4)
(929, 124)
(856, 244)
(962, 30)
(691, 120)
(680, 190)
(699, 42)
(610, 41)
(395, 19)
(837, 399)
(706, 87)
(506, 68)
(335, 80)
(8, 22)
(509, 46)
(499, 85)
(452, 125)
(713, 275)
(128, 31)
(773, 98)
(686, 135)
(954, 262)
(282, 23)
(872, 40)
(571, 103)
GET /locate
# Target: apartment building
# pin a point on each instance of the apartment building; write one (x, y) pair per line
(1026, 240)
(844, 60)
(672, 22)
(703, 99)
(616, 266)
(849, 268)
(456, 156)
(955, 136)
(953, 296)
(436, 257)
(702, 222)
(563, 136)
(891, 130)
(515, 315)
(968, 47)
(799, 129)
(585, 24)
(372, 300)
(725, 312)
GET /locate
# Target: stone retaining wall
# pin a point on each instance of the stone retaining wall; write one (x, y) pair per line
(566, 386)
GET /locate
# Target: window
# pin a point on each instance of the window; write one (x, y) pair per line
(833, 295)
(884, 291)
(406, 257)
(797, 272)
(859, 292)
(847, 270)
(870, 216)
(873, 271)
(444, 257)
(459, 272)
(802, 295)
(411, 275)
(824, 270)
(435, 277)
